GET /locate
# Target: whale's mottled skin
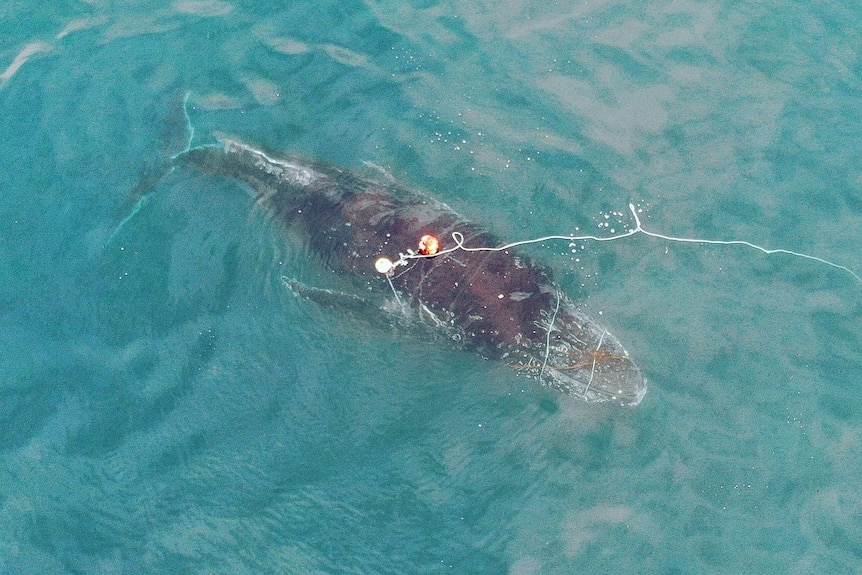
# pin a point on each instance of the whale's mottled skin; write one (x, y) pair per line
(497, 303)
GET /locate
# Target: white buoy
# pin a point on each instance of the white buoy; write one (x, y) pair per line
(383, 265)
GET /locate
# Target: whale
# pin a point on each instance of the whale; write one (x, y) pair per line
(498, 303)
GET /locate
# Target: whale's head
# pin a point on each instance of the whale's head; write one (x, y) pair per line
(579, 357)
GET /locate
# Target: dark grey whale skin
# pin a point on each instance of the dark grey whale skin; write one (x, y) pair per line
(497, 303)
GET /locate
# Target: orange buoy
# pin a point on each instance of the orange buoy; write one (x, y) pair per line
(429, 245)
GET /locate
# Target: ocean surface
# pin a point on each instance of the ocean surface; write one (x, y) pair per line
(167, 406)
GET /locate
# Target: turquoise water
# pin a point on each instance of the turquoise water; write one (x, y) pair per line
(165, 406)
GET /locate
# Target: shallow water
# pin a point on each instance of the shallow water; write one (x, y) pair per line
(165, 406)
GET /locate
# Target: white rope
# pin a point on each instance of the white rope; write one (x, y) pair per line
(548, 339)
(458, 237)
(595, 357)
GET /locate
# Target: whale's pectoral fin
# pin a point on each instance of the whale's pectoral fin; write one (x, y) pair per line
(382, 314)
(349, 303)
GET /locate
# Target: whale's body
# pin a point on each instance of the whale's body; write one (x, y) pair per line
(497, 303)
